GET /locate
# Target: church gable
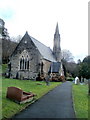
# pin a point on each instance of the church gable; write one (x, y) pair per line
(25, 44)
(25, 59)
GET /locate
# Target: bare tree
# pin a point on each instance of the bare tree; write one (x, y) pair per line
(68, 62)
(16, 39)
(67, 56)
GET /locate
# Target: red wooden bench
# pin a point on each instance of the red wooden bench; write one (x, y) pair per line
(19, 95)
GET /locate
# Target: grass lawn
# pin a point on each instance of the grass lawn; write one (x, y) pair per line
(9, 108)
(81, 98)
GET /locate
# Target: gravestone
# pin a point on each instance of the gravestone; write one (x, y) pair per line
(76, 80)
(18, 95)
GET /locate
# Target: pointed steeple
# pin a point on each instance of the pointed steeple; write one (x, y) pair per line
(26, 32)
(56, 46)
(57, 29)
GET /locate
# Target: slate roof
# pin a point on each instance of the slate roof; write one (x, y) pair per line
(45, 51)
(55, 67)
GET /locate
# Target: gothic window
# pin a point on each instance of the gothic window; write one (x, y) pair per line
(24, 63)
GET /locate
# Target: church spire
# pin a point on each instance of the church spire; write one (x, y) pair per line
(57, 29)
(56, 46)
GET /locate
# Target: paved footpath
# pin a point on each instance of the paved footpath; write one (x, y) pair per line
(56, 104)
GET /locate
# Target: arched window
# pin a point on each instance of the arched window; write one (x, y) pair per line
(24, 63)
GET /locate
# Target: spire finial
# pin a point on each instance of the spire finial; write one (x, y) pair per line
(26, 32)
(57, 24)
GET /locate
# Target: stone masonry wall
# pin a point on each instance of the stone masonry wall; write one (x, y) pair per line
(35, 57)
(46, 66)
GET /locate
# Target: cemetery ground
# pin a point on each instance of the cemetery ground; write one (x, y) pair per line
(80, 100)
(10, 108)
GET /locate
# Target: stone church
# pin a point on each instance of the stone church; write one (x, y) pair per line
(32, 58)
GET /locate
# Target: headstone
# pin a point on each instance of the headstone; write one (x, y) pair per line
(76, 81)
(18, 95)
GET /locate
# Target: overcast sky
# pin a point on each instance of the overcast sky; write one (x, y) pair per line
(39, 18)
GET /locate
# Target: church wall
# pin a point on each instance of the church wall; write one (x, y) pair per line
(34, 60)
(46, 66)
